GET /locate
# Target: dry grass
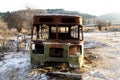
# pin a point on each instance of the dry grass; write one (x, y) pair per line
(93, 29)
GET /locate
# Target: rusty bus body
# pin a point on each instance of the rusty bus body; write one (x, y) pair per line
(57, 38)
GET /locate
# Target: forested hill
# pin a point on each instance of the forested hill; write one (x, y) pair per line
(52, 11)
(62, 11)
(23, 18)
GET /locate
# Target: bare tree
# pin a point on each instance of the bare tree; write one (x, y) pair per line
(3, 34)
(101, 23)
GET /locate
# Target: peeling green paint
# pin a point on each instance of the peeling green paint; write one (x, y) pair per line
(75, 61)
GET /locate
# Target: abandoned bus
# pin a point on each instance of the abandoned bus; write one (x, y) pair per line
(57, 38)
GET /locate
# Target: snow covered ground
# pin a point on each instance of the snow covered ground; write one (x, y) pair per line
(16, 66)
(106, 45)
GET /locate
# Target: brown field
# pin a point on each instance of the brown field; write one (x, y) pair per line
(93, 28)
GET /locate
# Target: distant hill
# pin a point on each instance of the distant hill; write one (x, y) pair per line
(113, 17)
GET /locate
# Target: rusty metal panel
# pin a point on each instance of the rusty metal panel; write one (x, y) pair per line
(57, 19)
(56, 46)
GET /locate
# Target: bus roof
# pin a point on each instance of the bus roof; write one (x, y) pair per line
(57, 19)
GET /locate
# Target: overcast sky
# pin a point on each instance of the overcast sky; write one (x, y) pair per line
(94, 7)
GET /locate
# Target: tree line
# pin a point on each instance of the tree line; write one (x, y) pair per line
(23, 19)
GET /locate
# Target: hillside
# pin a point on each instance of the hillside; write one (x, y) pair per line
(62, 11)
(22, 19)
(113, 17)
(27, 12)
